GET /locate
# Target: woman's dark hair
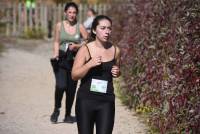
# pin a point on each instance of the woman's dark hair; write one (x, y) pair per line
(95, 23)
(71, 4)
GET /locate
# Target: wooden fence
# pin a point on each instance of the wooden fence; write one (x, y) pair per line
(18, 19)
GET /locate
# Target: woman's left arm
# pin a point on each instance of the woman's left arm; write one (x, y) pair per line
(83, 31)
(116, 68)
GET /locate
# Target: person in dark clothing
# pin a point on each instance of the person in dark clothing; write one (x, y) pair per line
(96, 63)
(66, 43)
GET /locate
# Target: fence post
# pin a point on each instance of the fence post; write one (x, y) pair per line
(25, 19)
(8, 20)
(49, 20)
(104, 8)
(80, 13)
(100, 9)
(54, 14)
(14, 20)
(45, 19)
(84, 12)
(36, 16)
(19, 25)
(42, 16)
(20, 18)
(59, 12)
(29, 17)
(95, 8)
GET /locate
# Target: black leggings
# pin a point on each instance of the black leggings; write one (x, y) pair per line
(64, 83)
(90, 112)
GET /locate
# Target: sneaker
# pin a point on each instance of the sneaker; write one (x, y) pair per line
(54, 116)
(69, 119)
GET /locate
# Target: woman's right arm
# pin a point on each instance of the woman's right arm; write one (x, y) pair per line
(116, 68)
(80, 69)
(56, 40)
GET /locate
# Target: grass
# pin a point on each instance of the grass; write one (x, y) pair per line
(1, 48)
(2, 28)
(33, 33)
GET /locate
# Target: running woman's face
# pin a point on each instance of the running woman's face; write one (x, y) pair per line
(71, 14)
(103, 30)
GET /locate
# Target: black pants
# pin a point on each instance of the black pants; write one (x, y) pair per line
(90, 112)
(64, 83)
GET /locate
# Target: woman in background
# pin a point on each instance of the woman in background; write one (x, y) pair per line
(90, 17)
(66, 43)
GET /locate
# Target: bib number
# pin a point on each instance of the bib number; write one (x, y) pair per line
(99, 86)
(66, 46)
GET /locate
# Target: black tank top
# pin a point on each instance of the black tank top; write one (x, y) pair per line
(101, 72)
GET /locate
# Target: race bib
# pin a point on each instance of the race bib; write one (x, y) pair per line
(99, 86)
(77, 36)
(66, 46)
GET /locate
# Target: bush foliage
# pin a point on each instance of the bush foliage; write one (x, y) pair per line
(34, 33)
(160, 44)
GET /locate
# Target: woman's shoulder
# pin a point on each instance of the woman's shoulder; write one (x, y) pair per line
(58, 25)
(85, 47)
(81, 26)
(60, 22)
(84, 50)
(117, 51)
(90, 44)
(116, 47)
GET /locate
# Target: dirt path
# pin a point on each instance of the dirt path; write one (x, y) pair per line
(26, 94)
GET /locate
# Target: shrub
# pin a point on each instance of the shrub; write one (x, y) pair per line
(33, 33)
(160, 43)
(1, 48)
(2, 28)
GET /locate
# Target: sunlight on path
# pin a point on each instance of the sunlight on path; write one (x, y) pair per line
(27, 93)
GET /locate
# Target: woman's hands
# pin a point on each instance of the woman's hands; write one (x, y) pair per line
(73, 47)
(115, 71)
(55, 56)
(95, 61)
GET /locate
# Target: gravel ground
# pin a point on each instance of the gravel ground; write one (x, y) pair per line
(27, 94)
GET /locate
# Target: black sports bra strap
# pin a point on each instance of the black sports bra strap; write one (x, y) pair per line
(88, 51)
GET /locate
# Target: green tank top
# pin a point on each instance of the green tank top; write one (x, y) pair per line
(66, 38)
